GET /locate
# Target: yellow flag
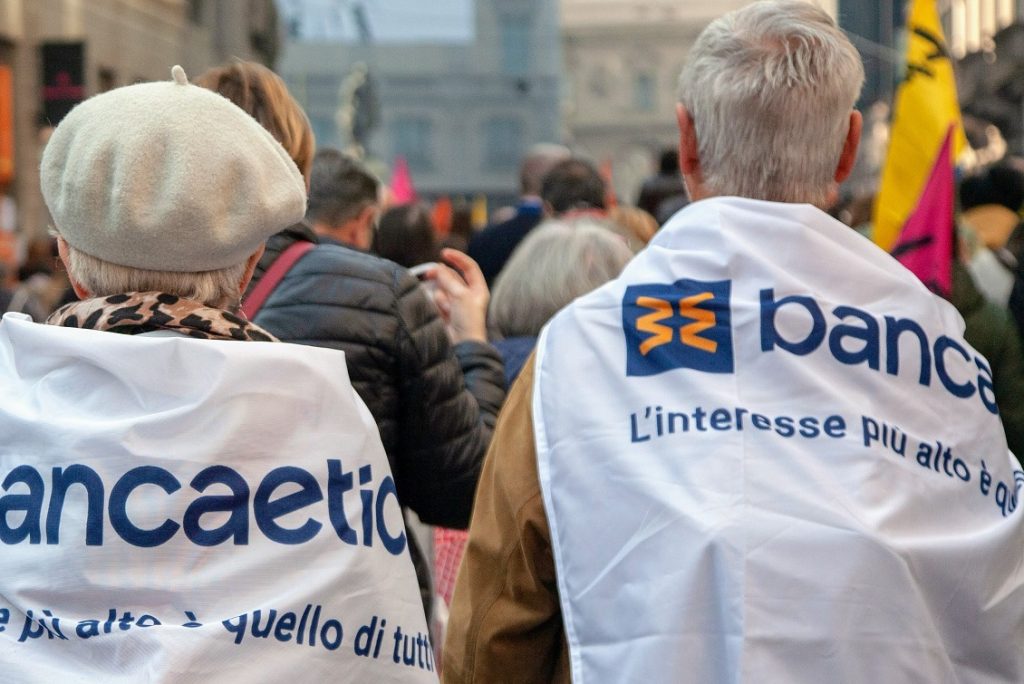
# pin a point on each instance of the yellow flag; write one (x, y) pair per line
(926, 106)
(479, 212)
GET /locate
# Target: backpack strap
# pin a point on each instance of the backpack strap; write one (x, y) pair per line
(274, 275)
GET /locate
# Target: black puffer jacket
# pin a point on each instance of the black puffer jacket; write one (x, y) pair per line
(435, 406)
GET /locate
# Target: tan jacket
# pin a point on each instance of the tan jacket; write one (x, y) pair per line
(506, 621)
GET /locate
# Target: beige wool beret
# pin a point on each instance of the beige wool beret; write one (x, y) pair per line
(168, 177)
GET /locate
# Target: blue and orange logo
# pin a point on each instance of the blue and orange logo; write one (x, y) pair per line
(683, 325)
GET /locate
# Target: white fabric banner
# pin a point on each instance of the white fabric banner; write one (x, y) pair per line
(181, 510)
(768, 455)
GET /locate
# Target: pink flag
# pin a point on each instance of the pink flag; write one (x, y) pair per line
(402, 190)
(925, 246)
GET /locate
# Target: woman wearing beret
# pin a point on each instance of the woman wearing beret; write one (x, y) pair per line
(182, 497)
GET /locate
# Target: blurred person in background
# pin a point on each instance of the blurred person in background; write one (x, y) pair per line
(434, 389)
(672, 517)
(151, 391)
(555, 264)
(18, 293)
(562, 260)
(664, 193)
(573, 187)
(461, 230)
(991, 330)
(633, 224)
(990, 202)
(344, 200)
(406, 236)
(493, 246)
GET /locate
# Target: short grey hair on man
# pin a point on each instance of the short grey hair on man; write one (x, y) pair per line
(770, 88)
(556, 263)
(101, 278)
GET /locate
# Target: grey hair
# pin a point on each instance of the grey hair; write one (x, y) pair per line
(770, 88)
(558, 262)
(101, 278)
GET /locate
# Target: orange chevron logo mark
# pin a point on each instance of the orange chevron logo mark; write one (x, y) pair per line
(689, 334)
(649, 323)
(686, 324)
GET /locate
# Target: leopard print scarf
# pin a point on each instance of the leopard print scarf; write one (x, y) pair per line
(140, 312)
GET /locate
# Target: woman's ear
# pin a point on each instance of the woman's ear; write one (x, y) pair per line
(250, 268)
(63, 252)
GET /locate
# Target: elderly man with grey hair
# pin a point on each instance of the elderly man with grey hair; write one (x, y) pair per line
(764, 453)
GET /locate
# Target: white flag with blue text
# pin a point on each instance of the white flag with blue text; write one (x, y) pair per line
(181, 510)
(767, 454)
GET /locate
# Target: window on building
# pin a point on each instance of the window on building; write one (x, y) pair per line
(598, 82)
(644, 92)
(411, 138)
(515, 44)
(503, 138)
(195, 11)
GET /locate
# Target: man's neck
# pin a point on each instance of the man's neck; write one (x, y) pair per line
(347, 233)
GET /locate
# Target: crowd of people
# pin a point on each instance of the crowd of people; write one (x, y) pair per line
(715, 436)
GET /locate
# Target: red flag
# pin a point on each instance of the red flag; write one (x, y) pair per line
(402, 190)
(442, 216)
(925, 246)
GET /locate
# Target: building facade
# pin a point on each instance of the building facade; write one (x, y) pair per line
(460, 107)
(622, 64)
(877, 28)
(65, 50)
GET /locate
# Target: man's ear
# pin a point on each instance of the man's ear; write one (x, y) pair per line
(689, 150)
(366, 220)
(367, 215)
(849, 155)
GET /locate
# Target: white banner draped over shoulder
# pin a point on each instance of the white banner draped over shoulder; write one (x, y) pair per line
(768, 455)
(181, 510)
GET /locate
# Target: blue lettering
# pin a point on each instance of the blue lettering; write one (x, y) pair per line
(236, 503)
(21, 507)
(31, 504)
(366, 496)
(117, 506)
(62, 479)
(285, 625)
(893, 329)
(635, 435)
(394, 545)
(339, 482)
(835, 426)
(720, 420)
(809, 427)
(267, 511)
(784, 426)
(770, 337)
(962, 390)
(869, 335)
(985, 389)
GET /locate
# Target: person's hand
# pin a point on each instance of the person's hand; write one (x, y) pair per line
(461, 296)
